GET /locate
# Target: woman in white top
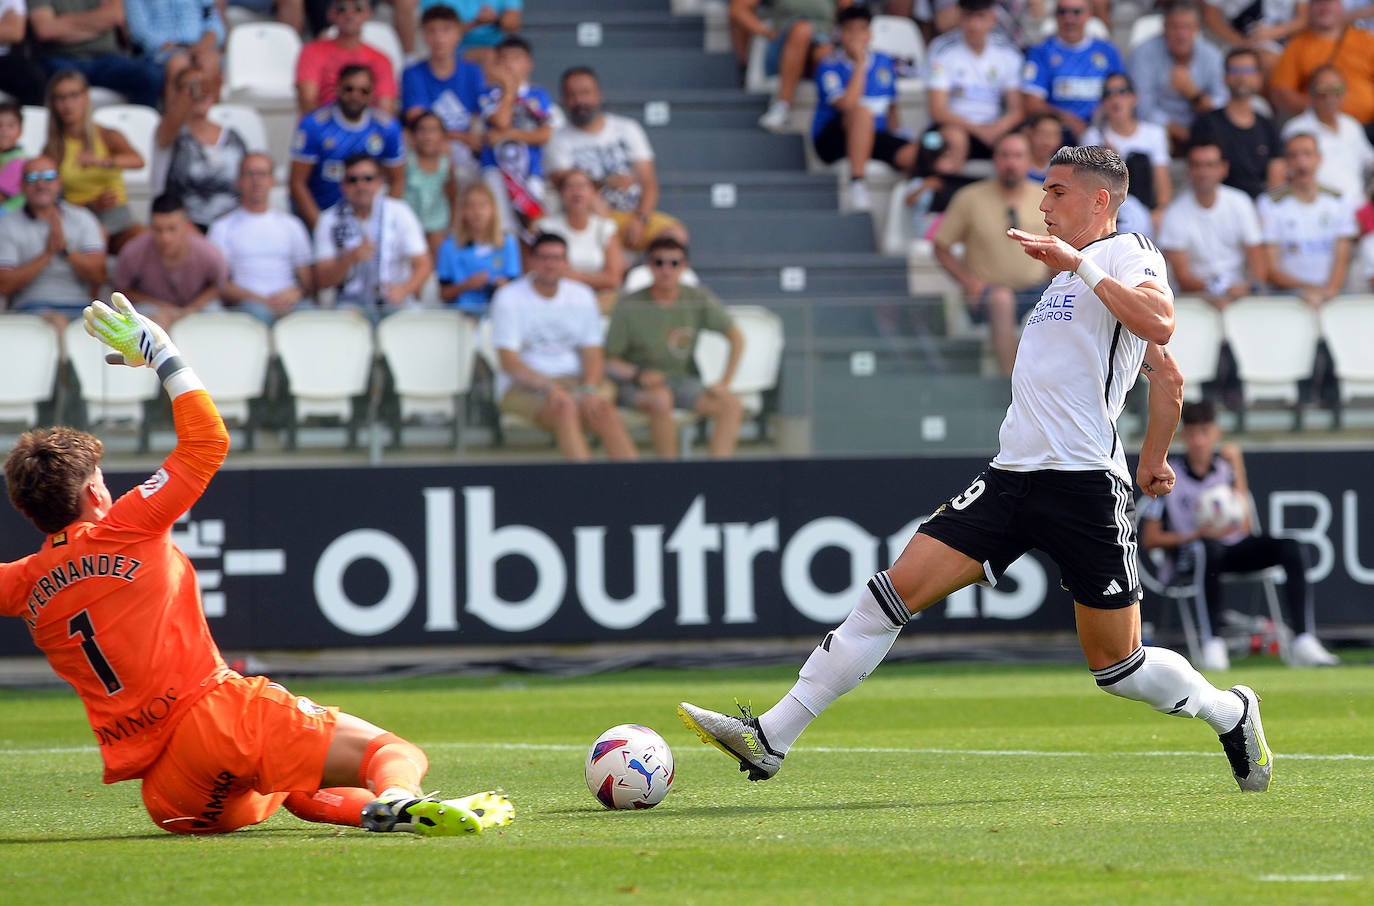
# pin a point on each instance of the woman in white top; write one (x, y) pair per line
(595, 255)
(1117, 128)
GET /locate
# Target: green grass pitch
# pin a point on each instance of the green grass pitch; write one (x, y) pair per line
(995, 784)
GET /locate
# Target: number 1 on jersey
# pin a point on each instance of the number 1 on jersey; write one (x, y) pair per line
(80, 624)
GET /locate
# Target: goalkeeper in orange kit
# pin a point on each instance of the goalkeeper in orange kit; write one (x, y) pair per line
(114, 606)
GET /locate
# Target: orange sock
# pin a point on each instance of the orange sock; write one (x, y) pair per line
(392, 763)
(335, 805)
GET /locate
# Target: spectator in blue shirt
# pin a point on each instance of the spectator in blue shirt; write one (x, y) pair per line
(518, 126)
(485, 23)
(1065, 73)
(480, 257)
(447, 86)
(856, 116)
(176, 35)
(1177, 75)
(326, 137)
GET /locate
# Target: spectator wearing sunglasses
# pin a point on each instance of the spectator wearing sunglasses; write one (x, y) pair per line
(330, 135)
(1144, 146)
(321, 63)
(649, 354)
(1249, 141)
(1065, 72)
(1347, 157)
(52, 253)
(370, 246)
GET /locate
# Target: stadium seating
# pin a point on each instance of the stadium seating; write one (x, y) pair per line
(260, 63)
(138, 124)
(246, 121)
(1347, 324)
(35, 133)
(327, 357)
(1196, 343)
(231, 351)
(759, 365)
(1274, 340)
(430, 354)
(112, 397)
(31, 362)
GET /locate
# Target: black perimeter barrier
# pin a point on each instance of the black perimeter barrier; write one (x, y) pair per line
(308, 559)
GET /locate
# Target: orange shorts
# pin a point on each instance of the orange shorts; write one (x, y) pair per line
(234, 758)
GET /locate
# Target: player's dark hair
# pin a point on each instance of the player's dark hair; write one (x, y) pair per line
(167, 203)
(1102, 163)
(515, 42)
(855, 13)
(14, 110)
(358, 157)
(1236, 52)
(413, 122)
(351, 69)
(440, 13)
(548, 239)
(666, 244)
(46, 473)
(577, 71)
(1199, 413)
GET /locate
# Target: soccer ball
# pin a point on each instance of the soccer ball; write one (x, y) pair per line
(629, 766)
(1219, 509)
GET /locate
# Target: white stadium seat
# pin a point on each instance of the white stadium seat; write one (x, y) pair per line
(35, 132)
(231, 351)
(33, 352)
(1274, 340)
(138, 124)
(430, 353)
(760, 362)
(327, 356)
(260, 62)
(244, 120)
(1347, 324)
(112, 393)
(1196, 343)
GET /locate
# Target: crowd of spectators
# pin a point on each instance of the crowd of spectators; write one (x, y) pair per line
(430, 185)
(456, 182)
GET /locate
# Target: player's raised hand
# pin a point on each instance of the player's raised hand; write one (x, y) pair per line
(135, 339)
(1055, 252)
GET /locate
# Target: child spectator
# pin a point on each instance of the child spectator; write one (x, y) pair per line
(857, 113)
(11, 157)
(518, 126)
(484, 23)
(447, 86)
(480, 257)
(430, 187)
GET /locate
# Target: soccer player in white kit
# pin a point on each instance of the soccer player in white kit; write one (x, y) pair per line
(1059, 483)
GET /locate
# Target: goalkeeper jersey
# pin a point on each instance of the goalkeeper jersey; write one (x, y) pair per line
(115, 607)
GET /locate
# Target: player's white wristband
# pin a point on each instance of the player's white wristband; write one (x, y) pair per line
(1090, 273)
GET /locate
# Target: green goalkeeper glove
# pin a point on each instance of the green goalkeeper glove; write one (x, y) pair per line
(135, 339)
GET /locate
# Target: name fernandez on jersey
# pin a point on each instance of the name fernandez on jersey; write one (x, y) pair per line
(90, 566)
(1074, 365)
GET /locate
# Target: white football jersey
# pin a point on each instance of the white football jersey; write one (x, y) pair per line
(1074, 365)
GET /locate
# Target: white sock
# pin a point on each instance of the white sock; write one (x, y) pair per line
(1165, 681)
(842, 661)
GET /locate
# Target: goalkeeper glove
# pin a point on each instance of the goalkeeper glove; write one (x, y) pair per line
(135, 338)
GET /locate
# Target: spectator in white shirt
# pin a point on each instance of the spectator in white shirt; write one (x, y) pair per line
(1211, 234)
(973, 86)
(371, 246)
(269, 253)
(1308, 229)
(1142, 145)
(548, 335)
(1347, 156)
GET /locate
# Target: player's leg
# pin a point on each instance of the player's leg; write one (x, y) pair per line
(958, 546)
(1088, 528)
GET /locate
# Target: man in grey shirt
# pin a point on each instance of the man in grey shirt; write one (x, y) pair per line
(1177, 75)
(52, 254)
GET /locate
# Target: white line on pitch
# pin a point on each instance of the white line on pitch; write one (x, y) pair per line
(827, 750)
(1307, 879)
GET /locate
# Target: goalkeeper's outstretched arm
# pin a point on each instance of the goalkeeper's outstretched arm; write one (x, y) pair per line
(137, 341)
